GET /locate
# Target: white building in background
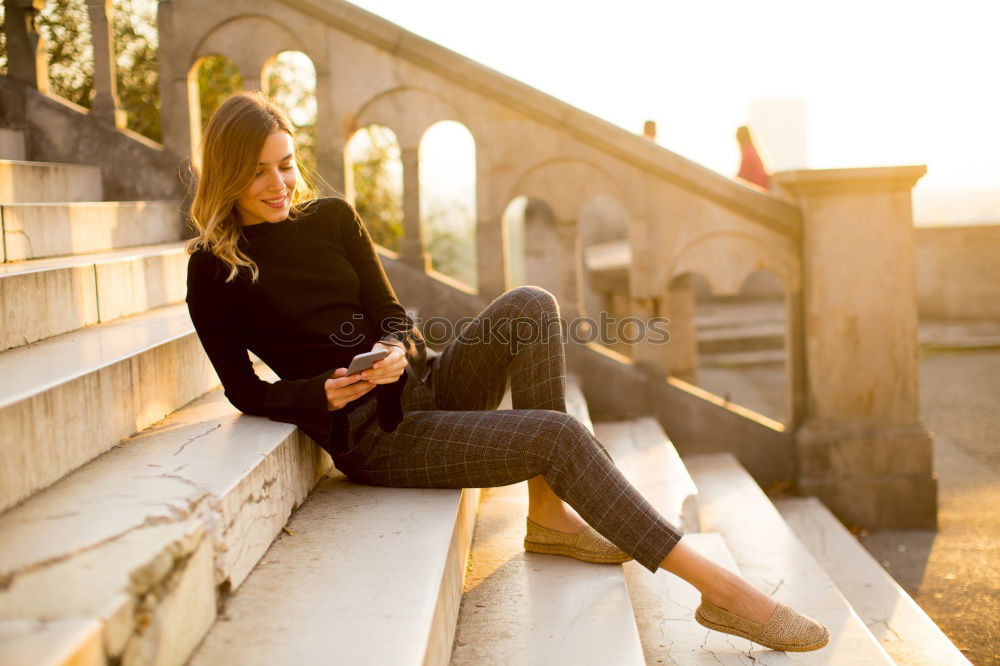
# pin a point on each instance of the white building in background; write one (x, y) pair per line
(779, 129)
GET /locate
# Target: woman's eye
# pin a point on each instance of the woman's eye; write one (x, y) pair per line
(287, 168)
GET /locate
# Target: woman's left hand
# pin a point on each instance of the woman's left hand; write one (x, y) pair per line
(389, 369)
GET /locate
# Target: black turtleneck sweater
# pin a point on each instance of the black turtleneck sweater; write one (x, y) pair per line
(322, 296)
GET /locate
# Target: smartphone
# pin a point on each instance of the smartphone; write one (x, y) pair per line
(365, 361)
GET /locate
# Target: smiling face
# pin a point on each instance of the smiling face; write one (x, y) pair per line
(269, 196)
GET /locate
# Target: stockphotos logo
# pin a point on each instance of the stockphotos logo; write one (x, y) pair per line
(517, 332)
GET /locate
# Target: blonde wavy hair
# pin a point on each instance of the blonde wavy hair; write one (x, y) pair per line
(230, 147)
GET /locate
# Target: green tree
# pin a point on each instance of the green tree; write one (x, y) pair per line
(377, 194)
(291, 82)
(65, 27)
(136, 41)
(218, 78)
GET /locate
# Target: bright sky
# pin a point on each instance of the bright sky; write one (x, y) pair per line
(885, 82)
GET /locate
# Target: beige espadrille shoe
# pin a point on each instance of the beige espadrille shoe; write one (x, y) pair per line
(786, 629)
(587, 545)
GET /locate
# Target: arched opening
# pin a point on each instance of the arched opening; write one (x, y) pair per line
(290, 79)
(374, 174)
(742, 344)
(211, 80)
(447, 159)
(532, 245)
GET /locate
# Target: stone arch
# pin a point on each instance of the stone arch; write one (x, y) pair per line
(568, 184)
(231, 39)
(410, 111)
(726, 258)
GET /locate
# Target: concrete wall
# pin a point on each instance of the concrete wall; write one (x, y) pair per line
(958, 272)
(133, 168)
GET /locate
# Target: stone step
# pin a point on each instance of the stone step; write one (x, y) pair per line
(743, 359)
(770, 556)
(46, 297)
(127, 553)
(644, 453)
(11, 144)
(67, 399)
(646, 456)
(761, 336)
(48, 182)
(37, 230)
(365, 575)
(531, 608)
(664, 606)
(903, 628)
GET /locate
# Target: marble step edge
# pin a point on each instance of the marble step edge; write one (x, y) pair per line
(644, 453)
(566, 611)
(41, 264)
(63, 165)
(101, 385)
(32, 231)
(29, 182)
(772, 558)
(206, 468)
(906, 632)
(367, 575)
(45, 297)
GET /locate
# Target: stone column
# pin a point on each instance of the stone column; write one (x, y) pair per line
(570, 253)
(861, 445)
(330, 141)
(26, 61)
(795, 360)
(105, 105)
(682, 350)
(412, 249)
(175, 105)
(651, 358)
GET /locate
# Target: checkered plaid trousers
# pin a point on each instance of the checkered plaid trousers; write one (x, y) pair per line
(451, 435)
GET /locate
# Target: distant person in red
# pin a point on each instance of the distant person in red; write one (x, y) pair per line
(751, 166)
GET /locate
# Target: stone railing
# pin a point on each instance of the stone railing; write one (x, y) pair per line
(841, 241)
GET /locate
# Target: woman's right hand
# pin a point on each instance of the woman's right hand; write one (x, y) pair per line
(341, 389)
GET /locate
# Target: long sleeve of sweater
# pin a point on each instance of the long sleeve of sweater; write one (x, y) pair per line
(322, 297)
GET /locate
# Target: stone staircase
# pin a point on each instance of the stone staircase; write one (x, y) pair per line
(144, 520)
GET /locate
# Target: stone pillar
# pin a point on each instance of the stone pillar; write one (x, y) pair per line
(175, 102)
(105, 105)
(651, 358)
(795, 360)
(26, 61)
(861, 446)
(330, 142)
(682, 350)
(570, 253)
(412, 249)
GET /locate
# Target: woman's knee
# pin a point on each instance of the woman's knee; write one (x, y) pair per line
(535, 299)
(564, 435)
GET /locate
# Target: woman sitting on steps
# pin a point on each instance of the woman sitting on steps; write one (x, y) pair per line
(297, 281)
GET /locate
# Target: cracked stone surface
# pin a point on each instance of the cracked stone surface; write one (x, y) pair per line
(531, 608)
(100, 384)
(359, 580)
(205, 468)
